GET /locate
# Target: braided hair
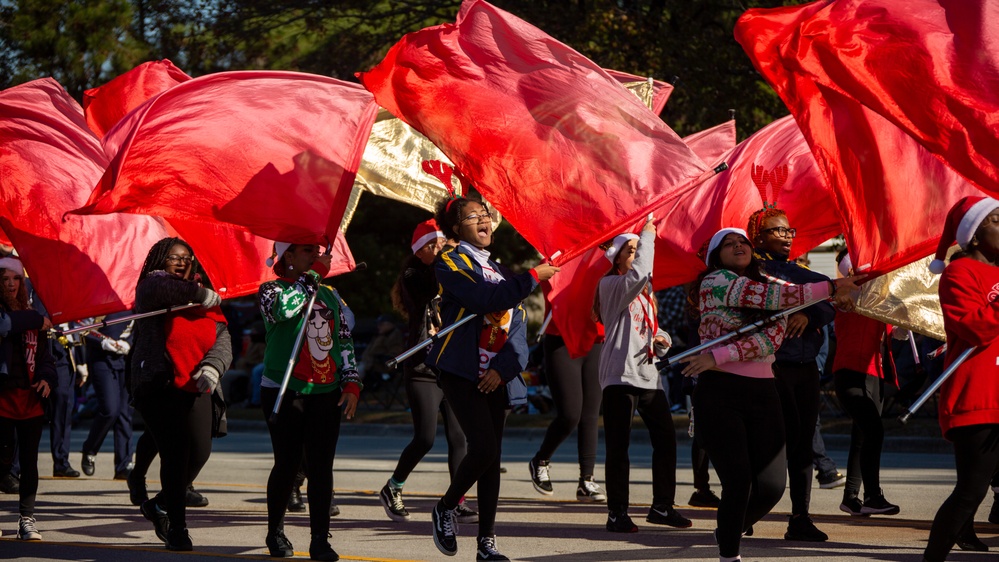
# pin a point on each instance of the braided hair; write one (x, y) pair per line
(156, 258)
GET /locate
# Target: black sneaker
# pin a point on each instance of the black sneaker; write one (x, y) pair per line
(620, 523)
(590, 492)
(295, 503)
(320, 549)
(391, 498)
(539, 476)
(195, 499)
(971, 543)
(137, 489)
(666, 515)
(279, 545)
(466, 514)
(878, 505)
(487, 550)
(853, 506)
(157, 516)
(445, 529)
(26, 530)
(9, 484)
(801, 528)
(829, 480)
(179, 539)
(704, 498)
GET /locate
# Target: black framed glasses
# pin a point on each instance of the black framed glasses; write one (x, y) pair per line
(782, 231)
(477, 218)
(173, 258)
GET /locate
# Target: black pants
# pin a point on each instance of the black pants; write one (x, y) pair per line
(739, 423)
(27, 434)
(798, 387)
(309, 425)
(113, 412)
(425, 400)
(862, 396)
(699, 462)
(620, 403)
(575, 387)
(482, 417)
(181, 424)
(62, 401)
(976, 455)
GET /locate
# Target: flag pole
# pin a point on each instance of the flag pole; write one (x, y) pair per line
(904, 418)
(392, 363)
(129, 318)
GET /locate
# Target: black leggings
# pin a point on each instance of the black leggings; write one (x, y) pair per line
(425, 400)
(309, 425)
(482, 417)
(862, 396)
(798, 387)
(181, 424)
(575, 387)
(620, 403)
(28, 436)
(976, 454)
(739, 423)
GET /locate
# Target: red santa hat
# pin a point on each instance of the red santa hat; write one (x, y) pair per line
(13, 264)
(425, 232)
(279, 249)
(963, 221)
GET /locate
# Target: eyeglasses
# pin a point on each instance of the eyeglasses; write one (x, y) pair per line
(477, 218)
(180, 259)
(782, 231)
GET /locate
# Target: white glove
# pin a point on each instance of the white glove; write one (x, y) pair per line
(212, 299)
(109, 345)
(123, 347)
(207, 378)
(82, 373)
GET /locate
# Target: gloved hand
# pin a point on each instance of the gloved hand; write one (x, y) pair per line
(311, 279)
(123, 347)
(82, 373)
(207, 378)
(210, 299)
(109, 345)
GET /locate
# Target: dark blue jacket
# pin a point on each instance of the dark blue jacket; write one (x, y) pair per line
(465, 291)
(806, 347)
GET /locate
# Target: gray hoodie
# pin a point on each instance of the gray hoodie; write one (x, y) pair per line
(624, 356)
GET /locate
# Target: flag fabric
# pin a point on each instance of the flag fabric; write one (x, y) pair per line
(272, 153)
(49, 160)
(892, 193)
(711, 144)
(106, 105)
(653, 93)
(547, 136)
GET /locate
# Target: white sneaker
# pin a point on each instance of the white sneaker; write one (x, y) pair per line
(589, 491)
(26, 530)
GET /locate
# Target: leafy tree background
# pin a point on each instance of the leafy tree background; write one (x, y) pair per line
(85, 43)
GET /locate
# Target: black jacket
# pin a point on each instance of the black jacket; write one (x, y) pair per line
(806, 347)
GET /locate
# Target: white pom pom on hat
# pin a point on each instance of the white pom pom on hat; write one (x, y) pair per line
(425, 232)
(279, 249)
(619, 241)
(718, 237)
(962, 222)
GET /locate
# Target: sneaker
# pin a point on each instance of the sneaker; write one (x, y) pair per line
(89, 464)
(65, 472)
(195, 499)
(878, 505)
(157, 516)
(539, 476)
(320, 549)
(487, 549)
(588, 491)
(832, 479)
(26, 530)
(295, 503)
(334, 509)
(391, 498)
(666, 515)
(620, 523)
(179, 539)
(136, 489)
(971, 543)
(853, 506)
(445, 529)
(801, 528)
(704, 498)
(994, 514)
(466, 514)
(279, 545)
(9, 484)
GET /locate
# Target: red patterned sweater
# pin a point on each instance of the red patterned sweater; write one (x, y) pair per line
(724, 298)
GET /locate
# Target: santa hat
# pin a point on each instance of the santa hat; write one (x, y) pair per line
(13, 264)
(718, 237)
(963, 221)
(425, 232)
(619, 241)
(279, 249)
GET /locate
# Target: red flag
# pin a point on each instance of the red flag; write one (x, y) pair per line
(711, 144)
(891, 192)
(274, 153)
(547, 136)
(106, 105)
(570, 297)
(83, 266)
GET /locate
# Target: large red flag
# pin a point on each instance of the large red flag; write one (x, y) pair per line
(567, 155)
(273, 153)
(710, 145)
(49, 160)
(106, 105)
(891, 192)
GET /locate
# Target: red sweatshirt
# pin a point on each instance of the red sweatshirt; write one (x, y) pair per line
(858, 344)
(968, 293)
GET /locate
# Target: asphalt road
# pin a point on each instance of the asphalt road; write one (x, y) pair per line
(90, 518)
